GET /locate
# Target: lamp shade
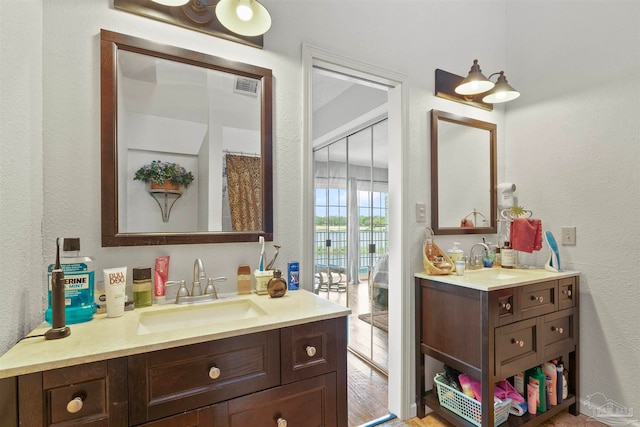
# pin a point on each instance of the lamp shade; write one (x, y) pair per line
(172, 2)
(501, 92)
(475, 82)
(244, 17)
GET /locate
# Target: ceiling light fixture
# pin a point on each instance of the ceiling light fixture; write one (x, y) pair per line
(172, 2)
(244, 17)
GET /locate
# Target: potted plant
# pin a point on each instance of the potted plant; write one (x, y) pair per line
(164, 175)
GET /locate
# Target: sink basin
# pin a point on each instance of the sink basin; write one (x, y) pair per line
(185, 317)
(497, 273)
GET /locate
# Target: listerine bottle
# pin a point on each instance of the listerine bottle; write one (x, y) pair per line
(79, 283)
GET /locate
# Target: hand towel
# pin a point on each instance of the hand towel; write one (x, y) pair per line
(526, 234)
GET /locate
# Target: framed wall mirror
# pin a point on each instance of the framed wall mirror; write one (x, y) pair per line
(210, 117)
(463, 175)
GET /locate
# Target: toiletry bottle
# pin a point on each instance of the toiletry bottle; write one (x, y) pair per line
(559, 382)
(293, 270)
(497, 259)
(550, 373)
(79, 283)
(508, 256)
(455, 253)
(429, 250)
(243, 279)
(142, 287)
(277, 286)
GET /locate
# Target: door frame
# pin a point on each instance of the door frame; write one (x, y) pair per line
(401, 328)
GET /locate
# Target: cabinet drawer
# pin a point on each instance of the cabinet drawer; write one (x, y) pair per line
(311, 349)
(538, 299)
(558, 333)
(307, 403)
(171, 381)
(516, 347)
(566, 293)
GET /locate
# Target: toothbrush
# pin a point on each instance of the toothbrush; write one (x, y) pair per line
(261, 263)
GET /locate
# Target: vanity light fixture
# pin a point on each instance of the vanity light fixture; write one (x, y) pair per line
(172, 2)
(501, 92)
(244, 17)
(476, 83)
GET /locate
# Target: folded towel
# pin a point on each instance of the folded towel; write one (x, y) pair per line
(526, 234)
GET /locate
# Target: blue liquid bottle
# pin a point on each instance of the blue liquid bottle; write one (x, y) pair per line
(79, 283)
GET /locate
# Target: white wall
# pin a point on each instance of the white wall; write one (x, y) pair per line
(569, 146)
(573, 150)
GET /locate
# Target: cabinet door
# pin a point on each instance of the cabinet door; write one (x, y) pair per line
(210, 416)
(306, 403)
(311, 349)
(516, 347)
(558, 333)
(168, 382)
(566, 294)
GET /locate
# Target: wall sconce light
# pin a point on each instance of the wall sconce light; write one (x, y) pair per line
(476, 89)
(207, 16)
(244, 17)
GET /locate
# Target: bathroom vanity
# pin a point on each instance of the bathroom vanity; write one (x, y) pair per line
(493, 324)
(255, 361)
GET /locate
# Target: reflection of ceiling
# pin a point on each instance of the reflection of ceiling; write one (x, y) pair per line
(342, 104)
(171, 89)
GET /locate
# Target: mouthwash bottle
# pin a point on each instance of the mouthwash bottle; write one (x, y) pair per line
(79, 283)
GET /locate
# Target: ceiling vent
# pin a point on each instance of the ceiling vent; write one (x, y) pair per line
(246, 86)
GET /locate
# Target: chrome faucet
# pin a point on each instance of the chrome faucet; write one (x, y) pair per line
(183, 296)
(475, 262)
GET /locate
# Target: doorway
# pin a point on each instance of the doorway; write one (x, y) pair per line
(361, 116)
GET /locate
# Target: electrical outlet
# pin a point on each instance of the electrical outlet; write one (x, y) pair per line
(421, 212)
(569, 236)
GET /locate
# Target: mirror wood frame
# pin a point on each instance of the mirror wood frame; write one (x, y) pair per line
(437, 116)
(110, 43)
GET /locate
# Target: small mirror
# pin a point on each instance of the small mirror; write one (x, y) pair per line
(463, 175)
(208, 117)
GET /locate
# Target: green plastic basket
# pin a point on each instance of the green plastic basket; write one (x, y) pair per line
(466, 407)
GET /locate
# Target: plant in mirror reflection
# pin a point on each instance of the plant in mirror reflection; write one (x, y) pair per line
(159, 172)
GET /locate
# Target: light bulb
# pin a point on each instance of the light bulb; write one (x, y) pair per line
(244, 12)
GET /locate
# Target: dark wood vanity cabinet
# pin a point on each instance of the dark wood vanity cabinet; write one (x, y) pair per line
(296, 374)
(495, 334)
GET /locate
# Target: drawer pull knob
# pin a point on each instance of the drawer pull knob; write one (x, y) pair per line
(539, 299)
(282, 422)
(519, 343)
(214, 372)
(311, 351)
(75, 405)
(558, 330)
(506, 306)
(567, 291)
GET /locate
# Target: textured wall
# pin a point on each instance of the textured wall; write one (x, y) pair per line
(572, 149)
(20, 169)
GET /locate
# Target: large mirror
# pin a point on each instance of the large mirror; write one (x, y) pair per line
(207, 117)
(463, 175)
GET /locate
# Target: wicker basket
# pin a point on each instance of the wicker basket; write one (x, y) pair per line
(442, 268)
(466, 407)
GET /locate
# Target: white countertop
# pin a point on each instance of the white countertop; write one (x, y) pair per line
(492, 279)
(106, 338)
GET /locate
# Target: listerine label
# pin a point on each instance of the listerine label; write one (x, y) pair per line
(71, 268)
(76, 282)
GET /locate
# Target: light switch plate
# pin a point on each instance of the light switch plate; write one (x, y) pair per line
(569, 236)
(421, 212)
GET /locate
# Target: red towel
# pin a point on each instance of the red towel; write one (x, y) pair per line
(526, 234)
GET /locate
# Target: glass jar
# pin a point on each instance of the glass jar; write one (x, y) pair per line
(142, 287)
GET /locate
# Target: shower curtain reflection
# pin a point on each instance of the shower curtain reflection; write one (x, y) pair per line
(245, 196)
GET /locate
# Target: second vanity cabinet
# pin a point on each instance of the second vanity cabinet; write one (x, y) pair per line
(294, 375)
(495, 331)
